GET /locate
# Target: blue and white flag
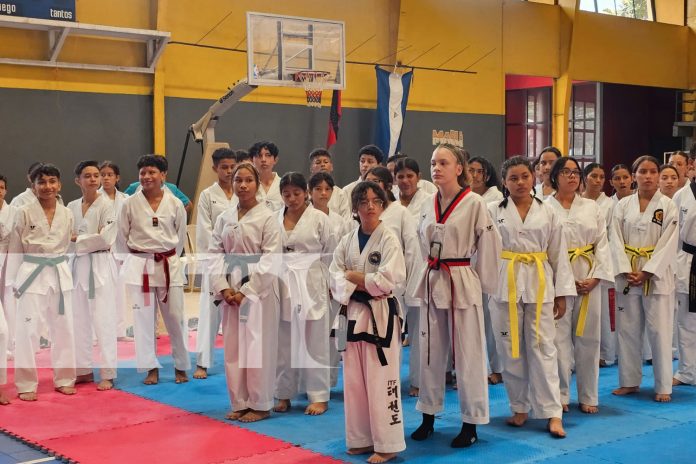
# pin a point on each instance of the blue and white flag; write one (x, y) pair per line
(392, 97)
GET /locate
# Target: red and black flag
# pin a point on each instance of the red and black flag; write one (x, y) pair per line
(334, 119)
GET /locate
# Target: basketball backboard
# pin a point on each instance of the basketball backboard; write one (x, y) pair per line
(281, 46)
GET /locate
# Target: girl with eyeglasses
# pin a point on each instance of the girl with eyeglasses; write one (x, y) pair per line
(367, 266)
(644, 236)
(578, 331)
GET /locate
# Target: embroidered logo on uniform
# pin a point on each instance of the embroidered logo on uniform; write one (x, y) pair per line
(489, 228)
(136, 306)
(109, 222)
(504, 334)
(620, 308)
(423, 334)
(32, 227)
(500, 221)
(657, 217)
(375, 257)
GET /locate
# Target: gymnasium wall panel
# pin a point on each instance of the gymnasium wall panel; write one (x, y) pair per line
(66, 127)
(298, 129)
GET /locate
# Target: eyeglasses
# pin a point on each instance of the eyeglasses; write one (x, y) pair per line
(565, 172)
(366, 203)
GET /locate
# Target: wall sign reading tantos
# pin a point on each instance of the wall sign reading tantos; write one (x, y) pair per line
(453, 137)
(61, 10)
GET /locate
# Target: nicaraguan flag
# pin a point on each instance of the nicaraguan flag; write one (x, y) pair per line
(392, 97)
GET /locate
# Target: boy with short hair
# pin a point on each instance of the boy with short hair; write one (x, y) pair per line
(212, 202)
(265, 156)
(369, 157)
(94, 275)
(153, 224)
(320, 161)
(40, 275)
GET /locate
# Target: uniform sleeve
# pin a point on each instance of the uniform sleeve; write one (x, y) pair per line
(328, 240)
(123, 225)
(204, 223)
(603, 267)
(104, 239)
(341, 288)
(216, 248)
(262, 280)
(665, 255)
(15, 251)
(412, 253)
(557, 252)
(391, 271)
(180, 223)
(6, 222)
(621, 262)
(488, 248)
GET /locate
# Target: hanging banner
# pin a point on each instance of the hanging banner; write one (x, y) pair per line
(61, 10)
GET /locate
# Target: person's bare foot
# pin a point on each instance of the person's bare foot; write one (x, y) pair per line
(377, 458)
(363, 450)
(555, 427)
(27, 396)
(663, 398)
(406, 342)
(235, 415)
(317, 409)
(86, 378)
(125, 339)
(200, 373)
(603, 363)
(66, 390)
(4, 399)
(676, 382)
(621, 391)
(588, 409)
(495, 378)
(282, 406)
(413, 391)
(105, 384)
(180, 376)
(565, 407)
(518, 419)
(254, 416)
(152, 377)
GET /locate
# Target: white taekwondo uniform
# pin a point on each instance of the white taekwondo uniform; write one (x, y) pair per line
(371, 384)
(652, 236)
(248, 258)
(212, 202)
(525, 321)
(94, 276)
(451, 288)
(303, 340)
(155, 240)
(578, 331)
(35, 246)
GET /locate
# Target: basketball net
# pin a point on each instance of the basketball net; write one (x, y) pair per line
(313, 83)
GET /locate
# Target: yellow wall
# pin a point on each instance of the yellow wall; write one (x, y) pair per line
(490, 38)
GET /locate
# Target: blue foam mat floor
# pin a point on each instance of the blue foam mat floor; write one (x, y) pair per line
(632, 429)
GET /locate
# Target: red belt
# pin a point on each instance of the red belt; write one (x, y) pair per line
(165, 262)
(435, 264)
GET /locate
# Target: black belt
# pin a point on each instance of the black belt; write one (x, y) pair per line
(691, 249)
(374, 338)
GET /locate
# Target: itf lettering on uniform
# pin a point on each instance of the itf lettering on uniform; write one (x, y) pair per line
(393, 405)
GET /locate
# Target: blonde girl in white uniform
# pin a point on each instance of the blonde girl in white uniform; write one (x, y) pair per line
(248, 243)
(303, 346)
(578, 331)
(535, 279)
(367, 266)
(455, 227)
(644, 236)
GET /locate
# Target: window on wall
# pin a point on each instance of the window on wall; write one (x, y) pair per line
(527, 121)
(583, 120)
(638, 9)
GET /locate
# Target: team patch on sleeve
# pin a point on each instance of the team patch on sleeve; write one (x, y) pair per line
(375, 258)
(657, 217)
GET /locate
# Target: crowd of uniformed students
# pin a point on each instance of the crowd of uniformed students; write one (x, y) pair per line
(521, 279)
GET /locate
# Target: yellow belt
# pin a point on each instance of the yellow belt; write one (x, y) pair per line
(525, 258)
(586, 253)
(634, 253)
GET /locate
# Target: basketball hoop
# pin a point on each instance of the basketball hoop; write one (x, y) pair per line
(313, 83)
